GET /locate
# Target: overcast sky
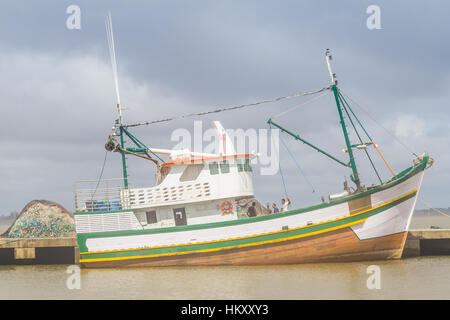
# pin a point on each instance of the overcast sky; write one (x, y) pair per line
(177, 57)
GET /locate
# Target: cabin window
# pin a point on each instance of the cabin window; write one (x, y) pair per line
(164, 172)
(192, 172)
(247, 165)
(224, 167)
(151, 217)
(179, 216)
(240, 166)
(213, 168)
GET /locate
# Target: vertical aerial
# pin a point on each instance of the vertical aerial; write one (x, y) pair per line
(112, 54)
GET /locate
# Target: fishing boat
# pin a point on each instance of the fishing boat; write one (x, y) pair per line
(196, 214)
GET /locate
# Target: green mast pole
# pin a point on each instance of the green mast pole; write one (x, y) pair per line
(334, 88)
(355, 176)
(124, 162)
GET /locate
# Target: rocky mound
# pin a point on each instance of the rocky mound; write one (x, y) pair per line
(42, 219)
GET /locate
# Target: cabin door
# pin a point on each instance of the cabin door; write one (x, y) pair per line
(179, 215)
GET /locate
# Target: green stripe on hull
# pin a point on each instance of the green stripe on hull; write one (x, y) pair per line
(253, 240)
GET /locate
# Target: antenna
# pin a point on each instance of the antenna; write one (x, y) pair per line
(112, 54)
(328, 57)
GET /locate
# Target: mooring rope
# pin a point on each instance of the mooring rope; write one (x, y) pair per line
(227, 109)
(434, 209)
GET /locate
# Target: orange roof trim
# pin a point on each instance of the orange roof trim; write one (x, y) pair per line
(246, 155)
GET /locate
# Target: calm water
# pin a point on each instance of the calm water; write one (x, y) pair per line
(413, 278)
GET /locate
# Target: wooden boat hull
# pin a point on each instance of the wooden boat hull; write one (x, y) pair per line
(371, 225)
(335, 246)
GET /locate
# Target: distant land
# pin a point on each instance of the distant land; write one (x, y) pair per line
(423, 212)
(12, 216)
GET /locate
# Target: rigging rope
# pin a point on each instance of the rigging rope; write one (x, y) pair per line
(357, 134)
(298, 106)
(279, 167)
(391, 134)
(112, 53)
(282, 179)
(101, 174)
(367, 134)
(434, 209)
(382, 157)
(227, 109)
(298, 166)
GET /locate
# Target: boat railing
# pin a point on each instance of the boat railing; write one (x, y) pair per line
(100, 195)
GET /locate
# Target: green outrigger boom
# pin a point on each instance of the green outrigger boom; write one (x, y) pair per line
(296, 136)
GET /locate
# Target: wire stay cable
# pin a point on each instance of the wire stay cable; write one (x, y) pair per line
(298, 106)
(228, 108)
(297, 165)
(379, 124)
(101, 175)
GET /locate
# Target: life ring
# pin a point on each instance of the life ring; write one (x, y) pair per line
(227, 207)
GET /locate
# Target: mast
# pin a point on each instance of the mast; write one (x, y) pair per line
(112, 54)
(334, 88)
(124, 160)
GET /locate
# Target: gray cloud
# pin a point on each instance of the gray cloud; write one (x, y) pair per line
(178, 57)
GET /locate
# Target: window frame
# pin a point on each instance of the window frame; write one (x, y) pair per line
(225, 164)
(150, 214)
(247, 165)
(191, 168)
(211, 166)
